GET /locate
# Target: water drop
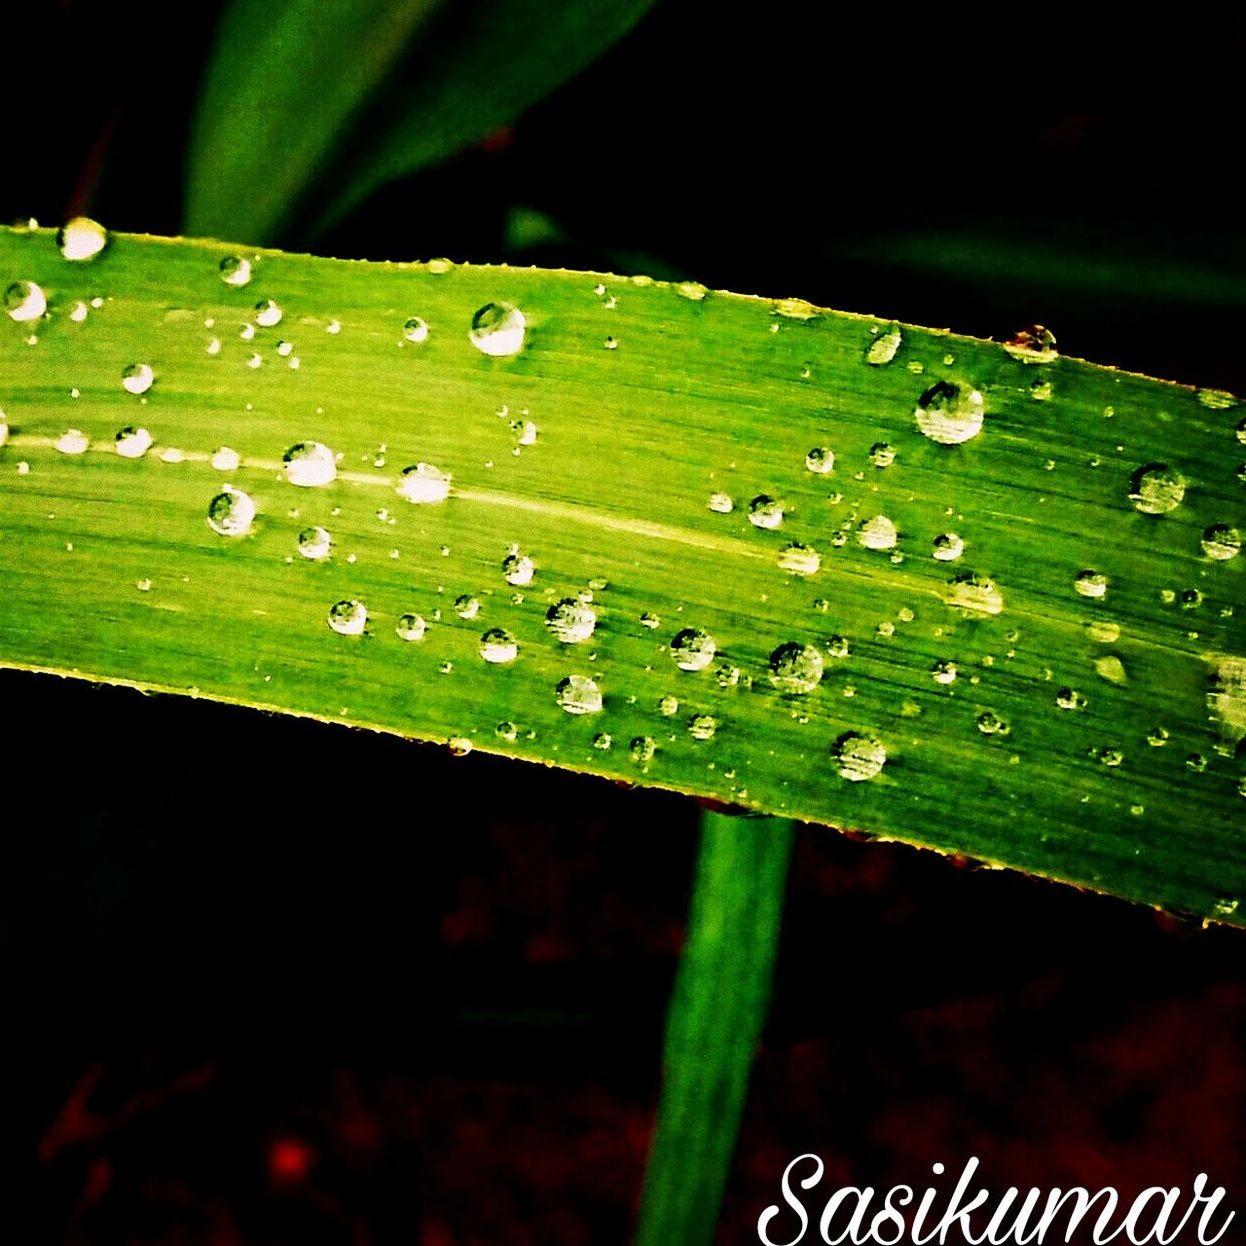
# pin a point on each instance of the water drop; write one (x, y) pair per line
(81, 238)
(72, 441)
(974, 594)
(4, 429)
(693, 649)
(571, 620)
(1110, 757)
(1070, 699)
(1157, 737)
(820, 460)
(235, 270)
(1041, 389)
(694, 291)
(950, 414)
(79, 312)
(882, 350)
(577, 694)
(1216, 399)
(702, 726)
(990, 723)
(132, 443)
(231, 512)
(765, 512)
(1105, 632)
(944, 671)
(137, 378)
(882, 454)
(267, 313)
(858, 757)
(1196, 762)
(498, 646)
(498, 329)
(24, 301)
(837, 647)
(415, 330)
(315, 543)
(518, 569)
(1191, 599)
(642, 749)
(348, 618)
(225, 460)
(796, 668)
(603, 740)
(794, 309)
(1112, 669)
(424, 484)
(525, 432)
(650, 620)
(310, 465)
(466, 606)
(1156, 489)
(506, 730)
(1033, 344)
(947, 547)
(411, 627)
(797, 559)
(878, 533)
(721, 503)
(1221, 542)
(1091, 583)
(668, 706)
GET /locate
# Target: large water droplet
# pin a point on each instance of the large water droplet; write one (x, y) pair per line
(693, 649)
(948, 547)
(642, 749)
(72, 441)
(315, 543)
(858, 757)
(225, 460)
(25, 301)
(518, 569)
(424, 484)
(820, 460)
(1033, 344)
(1221, 542)
(571, 620)
(950, 414)
(415, 330)
(878, 533)
(267, 313)
(882, 350)
(498, 329)
(310, 465)
(132, 443)
(1156, 489)
(797, 559)
(138, 378)
(721, 503)
(990, 723)
(411, 627)
(348, 618)
(882, 454)
(235, 270)
(765, 512)
(81, 238)
(702, 726)
(577, 694)
(796, 668)
(974, 594)
(498, 646)
(944, 671)
(1111, 668)
(1091, 583)
(231, 512)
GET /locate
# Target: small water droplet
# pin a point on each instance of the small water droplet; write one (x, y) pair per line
(1191, 599)
(693, 649)
(1157, 737)
(947, 547)
(882, 350)
(668, 706)
(603, 740)
(415, 330)
(466, 606)
(1041, 389)
(235, 270)
(878, 533)
(225, 460)
(1216, 399)
(1033, 344)
(837, 647)
(315, 543)
(498, 646)
(518, 569)
(858, 757)
(944, 671)
(693, 291)
(990, 723)
(765, 512)
(79, 312)
(1103, 631)
(348, 618)
(310, 465)
(641, 750)
(882, 454)
(72, 441)
(950, 414)
(138, 378)
(650, 620)
(267, 313)
(525, 432)
(577, 694)
(25, 301)
(1156, 489)
(1221, 542)
(132, 443)
(1112, 669)
(974, 594)
(424, 484)
(231, 512)
(498, 329)
(795, 309)
(721, 503)
(506, 730)
(796, 668)
(702, 726)
(1110, 757)
(4, 429)
(1070, 699)
(1091, 583)
(411, 627)
(571, 620)
(820, 460)
(81, 238)
(797, 559)
(1196, 762)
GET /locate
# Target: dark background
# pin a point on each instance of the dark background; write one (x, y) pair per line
(269, 981)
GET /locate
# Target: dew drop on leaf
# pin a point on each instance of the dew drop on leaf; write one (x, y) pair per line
(498, 329)
(721, 503)
(1091, 583)
(882, 454)
(858, 757)
(950, 414)
(797, 559)
(1070, 699)
(137, 378)
(882, 350)
(424, 484)
(81, 238)
(231, 512)
(235, 270)
(943, 671)
(518, 569)
(990, 723)
(415, 330)
(310, 465)
(947, 547)
(973, 594)
(1221, 542)
(765, 512)
(24, 301)
(820, 460)
(315, 543)
(498, 646)
(1033, 344)
(702, 726)
(225, 460)
(348, 618)
(411, 627)
(878, 533)
(466, 606)
(268, 313)
(796, 668)
(641, 750)
(571, 620)
(577, 694)
(72, 441)
(693, 649)
(132, 442)
(1156, 489)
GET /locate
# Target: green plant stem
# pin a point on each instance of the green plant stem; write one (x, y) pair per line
(718, 1006)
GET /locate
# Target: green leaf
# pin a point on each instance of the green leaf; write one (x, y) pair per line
(486, 63)
(1002, 705)
(285, 79)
